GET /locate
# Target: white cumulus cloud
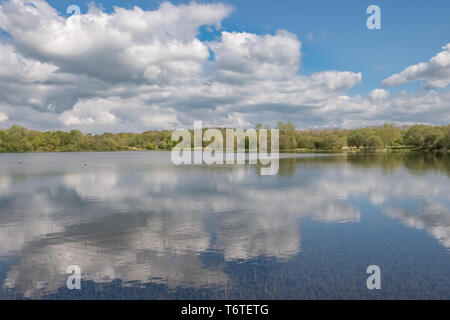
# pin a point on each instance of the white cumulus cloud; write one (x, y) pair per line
(135, 70)
(435, 73)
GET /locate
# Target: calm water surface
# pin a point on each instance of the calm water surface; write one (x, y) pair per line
(142, 228)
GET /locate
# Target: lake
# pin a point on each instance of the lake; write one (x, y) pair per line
(140, 227)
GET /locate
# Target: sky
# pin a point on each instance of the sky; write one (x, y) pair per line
(143, 65)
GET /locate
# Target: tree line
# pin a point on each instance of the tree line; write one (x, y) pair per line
(389, 135)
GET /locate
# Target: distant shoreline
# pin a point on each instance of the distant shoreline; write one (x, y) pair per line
(386, 138)
(297, 151)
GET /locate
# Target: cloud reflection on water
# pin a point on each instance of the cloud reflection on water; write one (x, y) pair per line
(143, 220)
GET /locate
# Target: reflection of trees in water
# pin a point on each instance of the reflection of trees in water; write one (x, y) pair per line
(423, 162)
(415, 162)
(287, 167)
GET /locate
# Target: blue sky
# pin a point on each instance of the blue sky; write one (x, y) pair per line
(412, 31)
(166, 64)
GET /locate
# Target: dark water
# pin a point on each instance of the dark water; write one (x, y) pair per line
(141, 228)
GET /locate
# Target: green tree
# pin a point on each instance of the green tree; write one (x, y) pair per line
(445, 140)
(390, 135)
(424, 137)
(16, 140)
(304, 140)
(287, 136)
(355, 139)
